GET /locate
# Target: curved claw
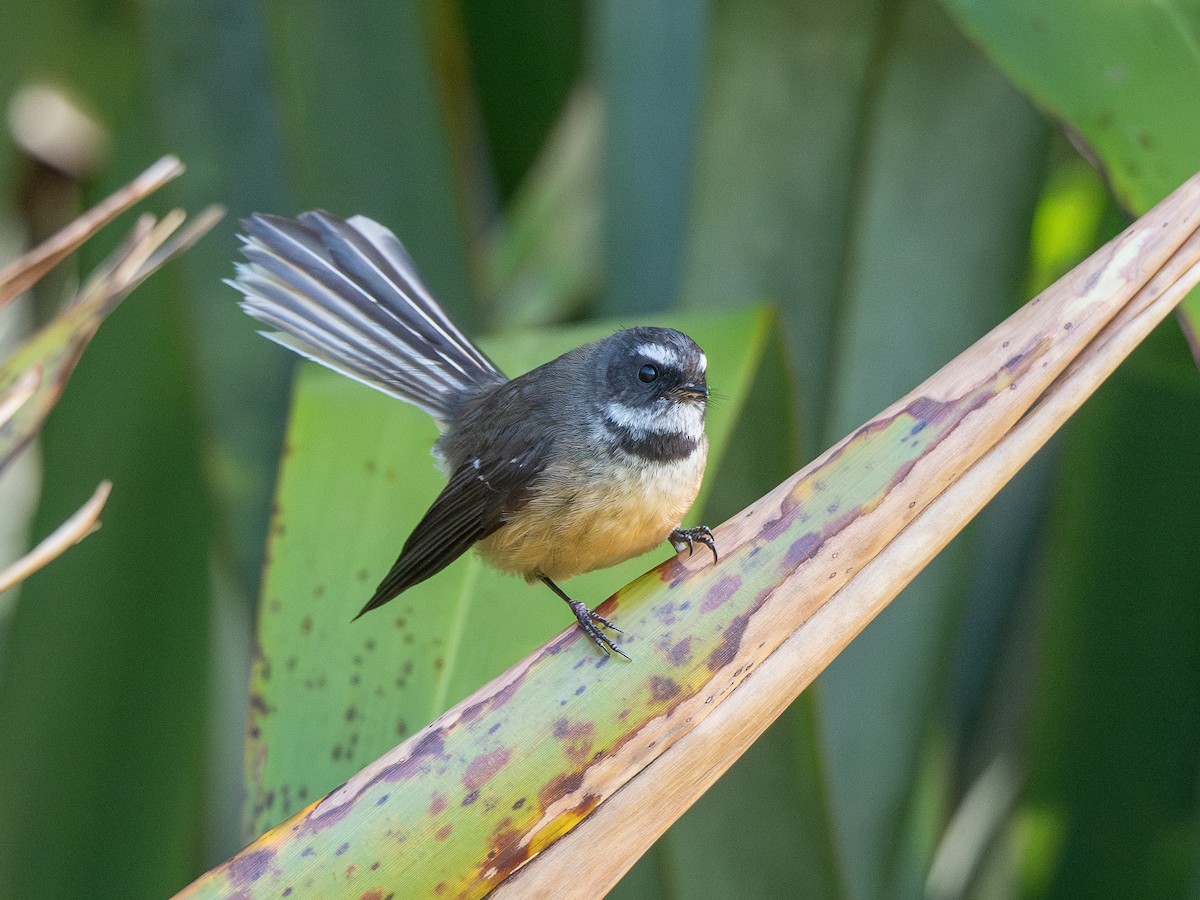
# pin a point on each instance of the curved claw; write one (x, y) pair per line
(596, 617)
(680, 539)
(688, 537)
(587, 621)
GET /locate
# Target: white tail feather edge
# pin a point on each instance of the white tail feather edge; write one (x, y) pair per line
(311, 279)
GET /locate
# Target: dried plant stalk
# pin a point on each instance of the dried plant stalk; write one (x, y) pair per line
(85, 520)
(25, 271)
(34, 376)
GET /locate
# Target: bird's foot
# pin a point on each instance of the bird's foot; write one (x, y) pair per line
(682, 538)
(589, 621)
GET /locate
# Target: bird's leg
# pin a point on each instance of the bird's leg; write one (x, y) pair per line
(687, 537)
(587, 620)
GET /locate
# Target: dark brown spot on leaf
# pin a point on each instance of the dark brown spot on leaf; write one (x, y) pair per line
(507, 851)
(483, 768)
(720, 593)
(663, 689)
(247, 868)
(559, 786)
(726, 651)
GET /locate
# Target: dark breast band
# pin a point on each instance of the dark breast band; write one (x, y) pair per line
(652, 446)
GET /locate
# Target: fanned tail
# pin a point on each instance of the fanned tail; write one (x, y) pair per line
(346, 294)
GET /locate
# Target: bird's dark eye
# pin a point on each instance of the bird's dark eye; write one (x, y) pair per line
(647, 373)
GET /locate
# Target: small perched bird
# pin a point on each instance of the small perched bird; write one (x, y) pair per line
(582, 463)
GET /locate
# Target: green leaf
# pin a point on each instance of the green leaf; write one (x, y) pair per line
(103, 685)
(329, 695)
(1124, 76)
(525, 57)
(1113, 757)
(651, 57)
(366, 129)
(547, 259)
(926, 275)
(194, 52)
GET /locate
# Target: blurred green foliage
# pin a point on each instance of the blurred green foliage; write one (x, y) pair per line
(884, 178)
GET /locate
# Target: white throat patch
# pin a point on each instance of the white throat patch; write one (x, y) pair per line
(662, 417)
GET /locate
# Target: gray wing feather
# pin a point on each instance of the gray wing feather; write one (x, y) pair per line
(475, 503)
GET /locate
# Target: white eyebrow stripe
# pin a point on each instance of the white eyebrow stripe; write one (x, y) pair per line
(703, 361)
(664, 356)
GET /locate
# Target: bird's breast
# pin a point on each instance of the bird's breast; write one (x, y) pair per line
(593, 513)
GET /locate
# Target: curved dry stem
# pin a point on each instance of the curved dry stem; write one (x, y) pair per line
(84, 521)
(26, 270)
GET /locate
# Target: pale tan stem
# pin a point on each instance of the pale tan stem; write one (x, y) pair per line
(26, 270)
(67, 535)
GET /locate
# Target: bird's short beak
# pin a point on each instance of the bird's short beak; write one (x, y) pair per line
(691, 392)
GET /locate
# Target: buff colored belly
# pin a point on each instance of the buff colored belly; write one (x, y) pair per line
(617, 515)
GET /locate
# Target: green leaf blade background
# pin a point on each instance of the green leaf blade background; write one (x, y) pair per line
(525, 57)
(1127, 82)
(824, 141)
(1122, 79)
(1113, 753)
(914, 293)
(650, 54)
(390, 153)
(104, 660)
(103, 682)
